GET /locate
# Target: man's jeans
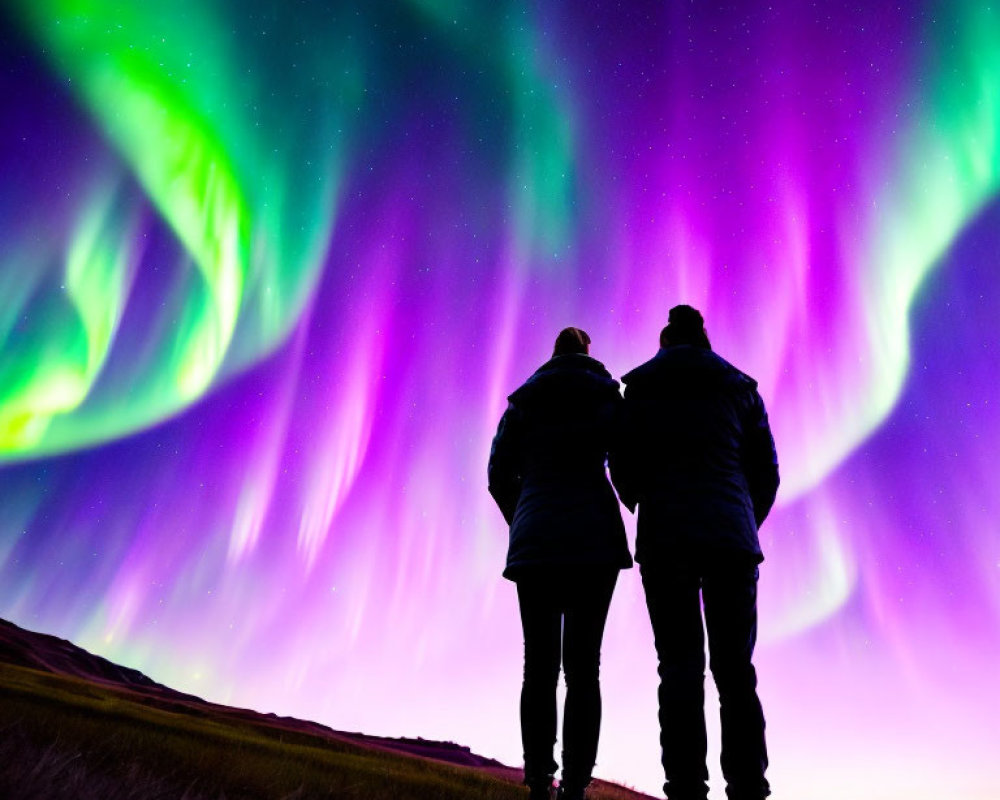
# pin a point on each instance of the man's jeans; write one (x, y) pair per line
(563, 614)
(729, 591)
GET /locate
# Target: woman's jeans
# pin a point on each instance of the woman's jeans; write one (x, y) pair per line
(563, 612)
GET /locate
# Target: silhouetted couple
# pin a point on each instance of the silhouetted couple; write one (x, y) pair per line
(689, 444)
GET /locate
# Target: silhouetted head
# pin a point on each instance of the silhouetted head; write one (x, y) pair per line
(685, 325)
(571, 340)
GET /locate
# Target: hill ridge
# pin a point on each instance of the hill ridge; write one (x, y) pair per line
(76, 725)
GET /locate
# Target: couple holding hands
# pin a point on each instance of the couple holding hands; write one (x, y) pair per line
(688, 445)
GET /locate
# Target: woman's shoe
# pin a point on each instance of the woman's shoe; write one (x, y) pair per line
(540, 789)
(571, 792)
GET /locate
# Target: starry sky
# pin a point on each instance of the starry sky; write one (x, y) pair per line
(269, 270)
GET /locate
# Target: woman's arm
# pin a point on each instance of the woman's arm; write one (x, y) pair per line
(504, 470)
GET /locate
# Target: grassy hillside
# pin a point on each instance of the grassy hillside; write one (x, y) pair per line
(68, 737)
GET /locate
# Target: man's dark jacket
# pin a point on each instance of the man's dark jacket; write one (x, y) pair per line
(698, 456)
(547, 469)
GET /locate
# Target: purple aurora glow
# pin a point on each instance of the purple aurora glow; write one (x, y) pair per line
(266, 279)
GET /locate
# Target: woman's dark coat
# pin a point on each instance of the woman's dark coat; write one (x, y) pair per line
(547, 469)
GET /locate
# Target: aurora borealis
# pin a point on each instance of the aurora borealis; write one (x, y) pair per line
(268, 271)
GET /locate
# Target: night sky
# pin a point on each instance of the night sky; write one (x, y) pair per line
(269, 270)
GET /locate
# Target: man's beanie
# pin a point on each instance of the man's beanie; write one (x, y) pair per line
(684, 323)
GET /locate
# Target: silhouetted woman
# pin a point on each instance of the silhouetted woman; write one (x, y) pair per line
(567, 544)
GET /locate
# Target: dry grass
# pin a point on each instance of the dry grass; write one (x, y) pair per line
(63, 737)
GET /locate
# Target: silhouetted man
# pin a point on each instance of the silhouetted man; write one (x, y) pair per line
(699, 460)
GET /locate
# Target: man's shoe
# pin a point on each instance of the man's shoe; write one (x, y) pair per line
(698, 792)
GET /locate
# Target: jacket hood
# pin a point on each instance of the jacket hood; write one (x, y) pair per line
(686, 361)
(575, 366)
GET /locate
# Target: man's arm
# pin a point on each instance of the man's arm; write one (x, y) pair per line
(504, 470)
(760, 459)
(622, 453)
